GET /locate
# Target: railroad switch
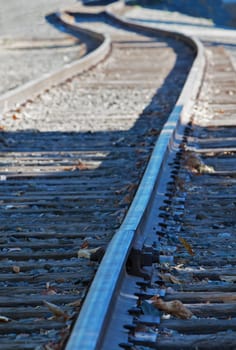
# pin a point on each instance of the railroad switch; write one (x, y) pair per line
(139, 258)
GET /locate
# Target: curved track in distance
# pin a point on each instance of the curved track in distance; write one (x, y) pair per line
(184, 295)
(71, 162)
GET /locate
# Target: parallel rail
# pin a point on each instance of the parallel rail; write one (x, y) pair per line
(53, 168)
(98, 47)
(167, 279)
(178, 238)
(90, 329)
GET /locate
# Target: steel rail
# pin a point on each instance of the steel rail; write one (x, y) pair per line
(35, 87)
(90, 326)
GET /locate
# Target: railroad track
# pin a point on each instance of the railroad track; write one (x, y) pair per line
(198, 224)
(71, 161)
(25, 87)
(176, 284)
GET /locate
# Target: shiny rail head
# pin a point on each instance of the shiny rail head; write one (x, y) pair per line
(87, 334)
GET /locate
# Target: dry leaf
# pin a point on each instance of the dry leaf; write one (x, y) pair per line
(16, 269)
(86, 253)
(175, 307)
(4, 319)
(81, 166)
(84, 245)
(192, 161)
(132, 187)
(206, 169)
(14, 117)
(75, 303)
(195, 164)
(167, 277)
(127, 199)
(56, 310)
(50, 290)
(187, 246)
(68, 168)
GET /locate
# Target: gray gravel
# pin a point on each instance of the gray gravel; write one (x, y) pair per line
(200, 27)
(29, 46)
(26, 19)
(86, 100)
(83, 101)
